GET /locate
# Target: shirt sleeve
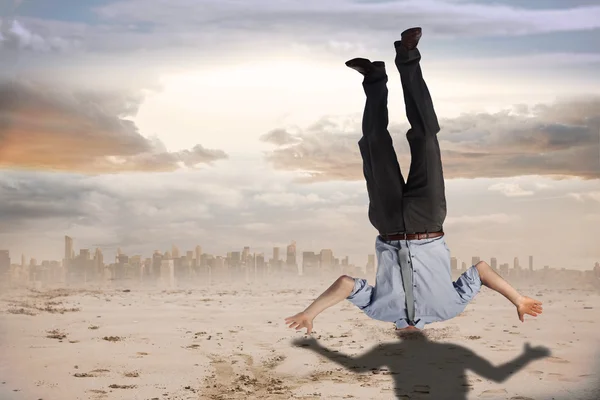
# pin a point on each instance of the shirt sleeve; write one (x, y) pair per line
(361, 294)
(468, 285)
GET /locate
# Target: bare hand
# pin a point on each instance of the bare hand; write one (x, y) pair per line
(300, 321)
(528, 306)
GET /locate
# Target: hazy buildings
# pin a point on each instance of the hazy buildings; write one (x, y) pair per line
(157, 258)
(167, 273)
(198, 251)
(310, 263)
(69, 253)
(290, 262)
(326, 259)
(275, 263)
(175, 252)
(370, 264)
(530, 263)
(196, 266)
(246, 255)
(453, 264)
(260, 266)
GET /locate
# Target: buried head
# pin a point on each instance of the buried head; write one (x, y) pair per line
(411, 333)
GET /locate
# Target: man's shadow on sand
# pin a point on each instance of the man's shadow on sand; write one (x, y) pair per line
(426, 369)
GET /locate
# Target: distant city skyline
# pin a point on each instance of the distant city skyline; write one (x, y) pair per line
(128, 124)
(288, 254)
(172, 269)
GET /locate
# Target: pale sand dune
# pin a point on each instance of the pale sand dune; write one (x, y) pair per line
(230, 342)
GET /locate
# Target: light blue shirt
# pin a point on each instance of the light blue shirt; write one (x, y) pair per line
(436, 296)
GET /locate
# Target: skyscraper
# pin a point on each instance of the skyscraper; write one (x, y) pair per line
(370, 263)
(475, 260)
(531, 263)
(290, 261)
(494, 264)
(84, 254)
(98, 259)
(259, 265)
(175, 252)
(310, 263)
(235, 261)
(453, 264)
(68, 250)
(198, 254)
(326, 259)
(246, 255)
(157, 258)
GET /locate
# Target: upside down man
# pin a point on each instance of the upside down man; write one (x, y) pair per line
(413, 286)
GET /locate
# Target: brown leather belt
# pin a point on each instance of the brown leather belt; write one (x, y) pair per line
(412, 236)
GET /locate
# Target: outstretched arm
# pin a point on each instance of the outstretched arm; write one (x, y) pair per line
(501, 373)
(491, 279)
(338, 291)
(363, 363)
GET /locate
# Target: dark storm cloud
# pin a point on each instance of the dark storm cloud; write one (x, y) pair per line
(561, 139)
(210, 24)
(184, 207)
(41, 201)
(43, 127)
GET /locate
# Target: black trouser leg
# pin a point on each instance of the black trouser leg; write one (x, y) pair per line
(424, 204)
(385, 183)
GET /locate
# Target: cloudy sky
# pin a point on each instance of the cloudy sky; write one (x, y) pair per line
(138, 124)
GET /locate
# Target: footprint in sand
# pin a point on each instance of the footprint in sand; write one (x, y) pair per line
(493, 393)
(521, 398)
(557, 360)
(536, 373)
(553, 376)
(98, 394)
(560, 377)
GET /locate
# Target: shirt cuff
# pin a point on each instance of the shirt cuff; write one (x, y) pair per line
(402, 323)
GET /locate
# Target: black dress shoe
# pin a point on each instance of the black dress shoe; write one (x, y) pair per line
(409, 39)
(366, 67)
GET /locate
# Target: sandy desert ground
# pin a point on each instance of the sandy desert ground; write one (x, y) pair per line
(230, 342)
